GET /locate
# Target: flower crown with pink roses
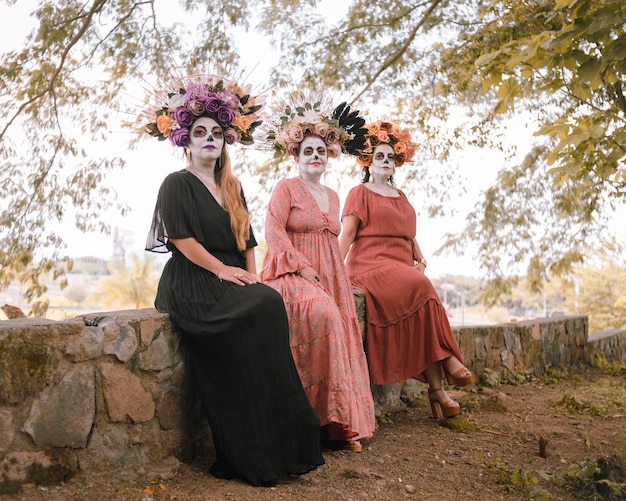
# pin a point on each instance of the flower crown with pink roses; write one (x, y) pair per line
(391, 134)
(342, 129)
(230, 105)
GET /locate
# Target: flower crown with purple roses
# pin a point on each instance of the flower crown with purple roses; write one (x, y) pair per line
(342, 129)
(232, 106)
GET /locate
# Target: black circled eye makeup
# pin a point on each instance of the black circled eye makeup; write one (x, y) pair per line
(201, 131)
(308, 151)
(381, 156)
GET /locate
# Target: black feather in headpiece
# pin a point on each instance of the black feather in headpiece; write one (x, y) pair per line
(354, 125)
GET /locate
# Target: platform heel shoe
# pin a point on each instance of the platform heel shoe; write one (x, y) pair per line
(456, 379)
(442, 409)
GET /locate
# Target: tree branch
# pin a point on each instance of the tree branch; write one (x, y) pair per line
(366, 26)
(620, 96)
(95, 8)
(398, 54)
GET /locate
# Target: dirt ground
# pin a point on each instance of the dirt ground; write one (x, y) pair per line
(536, 440)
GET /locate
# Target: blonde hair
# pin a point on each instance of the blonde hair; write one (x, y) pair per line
(230, 189)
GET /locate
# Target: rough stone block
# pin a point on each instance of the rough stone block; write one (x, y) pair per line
(160, 354)
(412, 392)
(87, 345)
(37, 467)
(6, 431)
(25, 370)
(62, 416)
(126, 399)
(171, 408)
(149, 328)
(123, 344)
(109, 445)
(387, 398)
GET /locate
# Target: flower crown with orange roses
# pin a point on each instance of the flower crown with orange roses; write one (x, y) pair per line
(391, 134)
(342, 129)
(230, 105)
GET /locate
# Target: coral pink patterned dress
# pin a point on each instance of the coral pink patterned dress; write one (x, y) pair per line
(407, 326)
(325, 337)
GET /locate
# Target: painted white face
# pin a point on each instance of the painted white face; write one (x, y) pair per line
(383, 161)
(206, 139)
(313, 156)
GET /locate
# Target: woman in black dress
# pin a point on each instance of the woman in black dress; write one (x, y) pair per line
(236, 328)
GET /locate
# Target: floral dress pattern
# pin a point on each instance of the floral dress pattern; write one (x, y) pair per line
(324, 332)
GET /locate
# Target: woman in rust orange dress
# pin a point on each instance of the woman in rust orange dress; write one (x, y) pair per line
(408, 334)
(303, 263)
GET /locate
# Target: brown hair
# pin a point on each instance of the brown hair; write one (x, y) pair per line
(365, 171)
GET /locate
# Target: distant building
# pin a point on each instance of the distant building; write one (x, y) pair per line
(90, 266)
(122, 239)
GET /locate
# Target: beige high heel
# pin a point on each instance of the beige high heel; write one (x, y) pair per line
(440, 409)
(352, 446)
(344, 445)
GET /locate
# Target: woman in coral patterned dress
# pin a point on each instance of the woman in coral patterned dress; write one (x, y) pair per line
(408, 333)
(303, 263)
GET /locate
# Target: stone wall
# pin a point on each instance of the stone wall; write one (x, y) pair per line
(98, 391)
(112, 390)
(609, 344)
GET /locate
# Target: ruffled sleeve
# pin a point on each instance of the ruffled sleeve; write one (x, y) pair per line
(356, 205)
(175, 215)
(281, 257)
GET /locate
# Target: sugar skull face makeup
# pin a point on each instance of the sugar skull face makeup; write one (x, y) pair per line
(383, 160)
(313, 155)
(206, 140)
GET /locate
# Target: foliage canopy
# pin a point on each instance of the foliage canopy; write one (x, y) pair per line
(455, 72)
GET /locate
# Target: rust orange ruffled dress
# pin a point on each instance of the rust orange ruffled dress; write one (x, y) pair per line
(407, 327)
(325, 337)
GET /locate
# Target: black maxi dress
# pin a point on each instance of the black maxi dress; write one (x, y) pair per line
(262, 423)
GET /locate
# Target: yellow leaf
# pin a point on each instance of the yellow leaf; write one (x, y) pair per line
(500, 107)
(149, 490)
(597, 82)
(610, 76)
(551, 157)
(503, 90)
(486, 58)
(561, 4)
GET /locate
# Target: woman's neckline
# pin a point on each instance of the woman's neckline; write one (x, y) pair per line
(212, 188)
(315, 188)
(319, 195)
(391, 193)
